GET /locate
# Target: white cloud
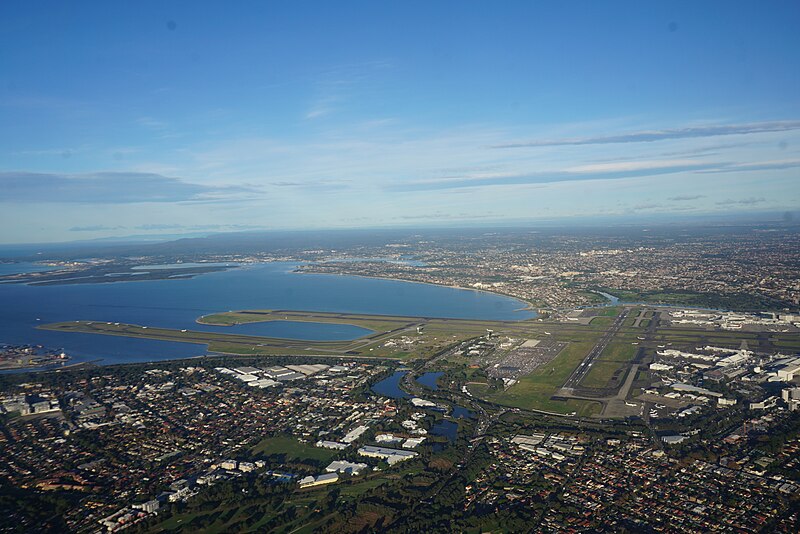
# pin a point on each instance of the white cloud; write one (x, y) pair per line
(627, 166)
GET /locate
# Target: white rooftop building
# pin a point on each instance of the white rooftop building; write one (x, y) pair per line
(354, 434)
(229, 464)
(341, 466)
(412, 443)
(392, 456)
(309, 481)
(388, 438)
(788, 370)
(330, 445)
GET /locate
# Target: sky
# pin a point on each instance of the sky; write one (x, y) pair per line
(152, 118)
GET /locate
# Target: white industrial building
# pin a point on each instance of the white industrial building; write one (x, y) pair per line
(308, 369)
(354, 434)
(388, 438)
(528, 443)
(412, 443)
(246, 467)
(149, 506)
(328, 478)
(262, 383)
(392, 456)
(660, 367)
(788, 369)
(791, 396)
(341, 466)
(688, 388)
(330, 445)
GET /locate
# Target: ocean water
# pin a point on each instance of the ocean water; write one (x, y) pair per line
(178, 303)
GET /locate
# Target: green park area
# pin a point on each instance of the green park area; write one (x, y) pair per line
(291, 449)
(721, 301)
(611, 311)
(605, 316)
(601, 321)
(261, 505)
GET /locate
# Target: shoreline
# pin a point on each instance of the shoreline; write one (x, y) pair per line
(528, 306)
(32, 367)
(122, 279)
(48, 368)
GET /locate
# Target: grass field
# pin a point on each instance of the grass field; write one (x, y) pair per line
(615, 356)
(733, 301)
(293, 449)
(360, 486)
(793, 345)
(479, 390)
(534, 390)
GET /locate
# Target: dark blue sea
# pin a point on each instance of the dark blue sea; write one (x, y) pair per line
(178, 303)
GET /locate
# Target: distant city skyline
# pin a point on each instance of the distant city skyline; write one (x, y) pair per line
(146, 118)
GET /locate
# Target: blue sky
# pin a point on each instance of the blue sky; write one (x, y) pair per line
(143, 118)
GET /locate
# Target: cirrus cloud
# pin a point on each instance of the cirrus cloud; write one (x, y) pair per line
(107, 188)
(663, 135)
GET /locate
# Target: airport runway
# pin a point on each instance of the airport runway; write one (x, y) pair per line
(583, 369)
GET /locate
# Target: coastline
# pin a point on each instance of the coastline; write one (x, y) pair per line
(527, 305)
(519, 305)
(54, 368)
(133, 276)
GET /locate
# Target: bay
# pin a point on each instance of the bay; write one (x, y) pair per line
(178, 303)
